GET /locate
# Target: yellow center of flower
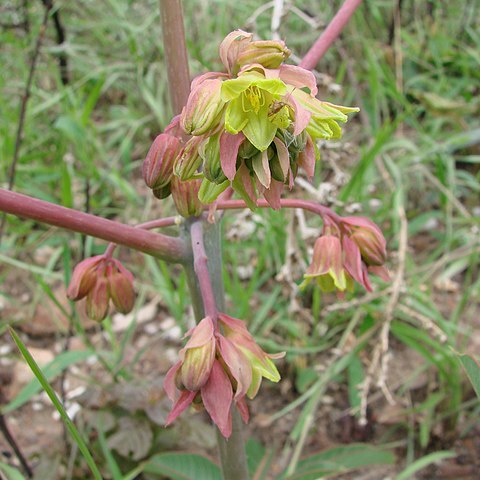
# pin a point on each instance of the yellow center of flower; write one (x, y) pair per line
(252, 99)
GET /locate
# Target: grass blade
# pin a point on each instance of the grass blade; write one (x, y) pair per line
(424, 462)
(57, 404)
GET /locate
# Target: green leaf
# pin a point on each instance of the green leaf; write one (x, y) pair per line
(472, 367)
(258, 458)
(10, 472)
(424, 462)
(52, 370)
(183, 466)
(57, 404)
(355, 378)
(341, 459)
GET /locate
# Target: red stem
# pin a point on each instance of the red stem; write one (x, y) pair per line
(158, 223)
(161, 246)
(321, 210)
(200, 265)
(173, 32)
(333, 30)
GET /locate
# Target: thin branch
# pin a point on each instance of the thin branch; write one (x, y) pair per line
(285, 203)
(333, 30)
(23, 107)
(200, 263)
(61, 37)
(162, 246)
(173, 32)
(12, 442)
(150, 225)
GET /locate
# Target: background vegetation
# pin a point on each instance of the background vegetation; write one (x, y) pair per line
(382, 369)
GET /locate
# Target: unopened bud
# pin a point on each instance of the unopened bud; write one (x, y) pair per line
(231, 47)
(203, 108)
(210, 152)
(185, 196)
(189, 159)
(369, 239)
(269, 53)
(158, 165)
(121, 289)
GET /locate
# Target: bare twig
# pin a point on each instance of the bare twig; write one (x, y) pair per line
(14, 445)
(332, 31)
(23, 108)
(278, 9)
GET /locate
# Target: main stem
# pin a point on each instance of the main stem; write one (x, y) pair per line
(232, 451)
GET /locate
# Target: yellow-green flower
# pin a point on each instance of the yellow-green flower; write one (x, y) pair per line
(250, 98)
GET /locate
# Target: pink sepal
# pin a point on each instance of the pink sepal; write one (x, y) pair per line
(237, 363)
(353, 259)
(169, 382)
(306, 159)
(298, 77)
(229, 145)
(183, 402)
(273, 194)
(217, 397)
(243, 409)
(283, 156)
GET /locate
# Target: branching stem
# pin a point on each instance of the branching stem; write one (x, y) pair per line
(321, 210)
(162, 246)
(330, 34)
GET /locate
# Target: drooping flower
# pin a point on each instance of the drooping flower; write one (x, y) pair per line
(218, 370)
(348, 252)
(327, 266)
(101, 279)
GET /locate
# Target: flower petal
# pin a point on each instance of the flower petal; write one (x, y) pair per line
(302, 115)
(273, 194)
(283, 156)
(183, 402)
(217, 396)
(229, 145)
(235, 117)
(238, 365)
(261, 168)
(306, 159)
(169, 381)
(243, 409)
(243, 185)
(201, 334)
(298, 77)
(259, 129)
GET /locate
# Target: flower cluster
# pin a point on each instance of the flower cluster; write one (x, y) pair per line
(347, 251)
(218, 370)
(250, 128)
(102, 279)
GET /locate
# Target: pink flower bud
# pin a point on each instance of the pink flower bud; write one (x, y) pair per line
(185, 196)
(158, 165)
(268, 53)
(203, 109)
(369, 239)
(231, 47)
(97, 300)
(198, 356)
(83, 278)
(101, 279)
(327, 264)
(120, 282)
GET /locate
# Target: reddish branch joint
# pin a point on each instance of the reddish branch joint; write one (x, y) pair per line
(217, 371)
(101, 279)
